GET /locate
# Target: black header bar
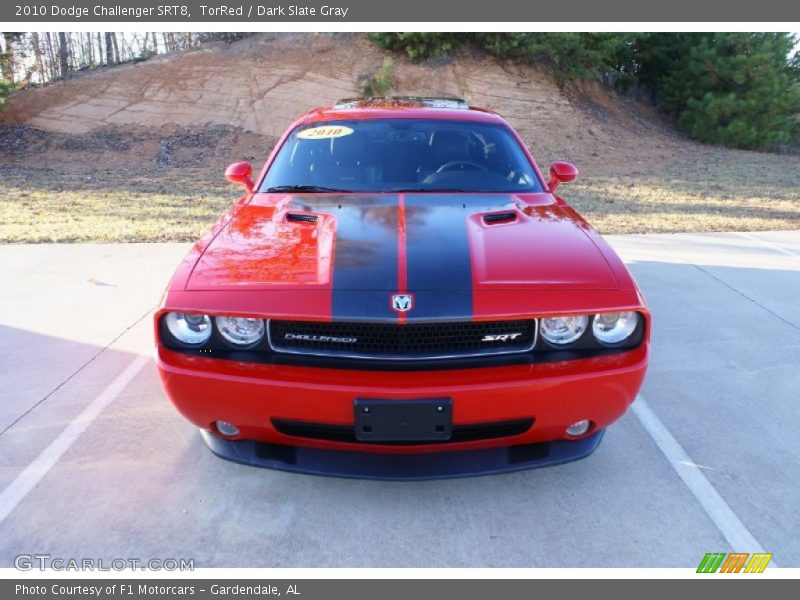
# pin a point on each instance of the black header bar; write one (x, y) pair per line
(417, 11)
(744, 586)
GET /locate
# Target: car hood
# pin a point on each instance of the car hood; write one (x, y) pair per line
(413, 242)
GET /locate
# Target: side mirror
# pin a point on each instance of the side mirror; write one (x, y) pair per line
(241, 173)
(561, 172)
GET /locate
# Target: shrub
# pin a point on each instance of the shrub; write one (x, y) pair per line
(421, 45)
(565, 56)
(382, 81)
(5, 89)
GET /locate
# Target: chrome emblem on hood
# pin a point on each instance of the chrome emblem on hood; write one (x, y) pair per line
(402, 302)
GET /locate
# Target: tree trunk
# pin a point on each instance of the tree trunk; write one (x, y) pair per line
(63, 54)
(72, 59)
(51, 56)
(37, 53)
(88, 49)
(109, 49)
(116, 47)
(8, 63)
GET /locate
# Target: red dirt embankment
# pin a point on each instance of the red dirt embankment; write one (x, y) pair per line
(262, 83)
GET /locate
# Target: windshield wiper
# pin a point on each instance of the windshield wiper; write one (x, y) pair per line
(316, 188)
(300, 188)
(432, 191)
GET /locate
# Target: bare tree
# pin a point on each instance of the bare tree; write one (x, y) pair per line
(46, 56)
(109, 48)
(63, 54)
(8, 63)
(117, 56)
(51, 57)
(71, 58)
(169, 42)
(37, 54)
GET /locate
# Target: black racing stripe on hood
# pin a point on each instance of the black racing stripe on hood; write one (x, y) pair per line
(439, 257)
(365, 253)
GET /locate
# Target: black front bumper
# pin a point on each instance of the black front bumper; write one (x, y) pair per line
(402, 467)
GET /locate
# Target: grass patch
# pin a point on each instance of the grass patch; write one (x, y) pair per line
(712, 190)
(90, 206)
(725, 191)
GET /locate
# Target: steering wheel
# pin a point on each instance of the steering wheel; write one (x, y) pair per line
(449, 166)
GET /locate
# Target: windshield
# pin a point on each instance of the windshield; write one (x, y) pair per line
(394, 155)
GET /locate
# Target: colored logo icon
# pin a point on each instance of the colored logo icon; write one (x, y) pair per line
(736, 562)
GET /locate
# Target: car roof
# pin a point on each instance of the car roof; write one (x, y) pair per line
(401, 107)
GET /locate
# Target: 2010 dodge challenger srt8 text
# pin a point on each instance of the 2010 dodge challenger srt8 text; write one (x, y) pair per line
(401, 295)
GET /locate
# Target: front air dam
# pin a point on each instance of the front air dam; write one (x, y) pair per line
(402, 467)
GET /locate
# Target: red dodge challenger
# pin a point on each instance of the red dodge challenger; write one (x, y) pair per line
(401, 295)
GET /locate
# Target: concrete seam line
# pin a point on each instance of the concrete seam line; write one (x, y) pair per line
(729, 525)
(35, 471)
(743, 295)
(749, 236)
(734, 289)
(69, 378)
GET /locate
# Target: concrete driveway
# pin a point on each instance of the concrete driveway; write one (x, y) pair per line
(95, 463)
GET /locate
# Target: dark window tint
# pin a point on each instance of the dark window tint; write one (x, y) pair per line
(386, 155)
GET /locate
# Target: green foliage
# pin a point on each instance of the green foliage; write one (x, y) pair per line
(381, 82)
(421, 45)
(5, 89)
(565, 56)
(737, 89)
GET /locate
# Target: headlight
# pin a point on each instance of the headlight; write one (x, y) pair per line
(240, 331)
(612, 328)
(563, 330)
(189, 329)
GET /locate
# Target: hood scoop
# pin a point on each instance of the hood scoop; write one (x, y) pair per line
(506, 216)
(301, 218)
(451, 251)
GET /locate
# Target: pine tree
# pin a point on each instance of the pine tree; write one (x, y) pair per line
(736, 89)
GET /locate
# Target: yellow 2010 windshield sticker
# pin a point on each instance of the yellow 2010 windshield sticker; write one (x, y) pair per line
(325, 132)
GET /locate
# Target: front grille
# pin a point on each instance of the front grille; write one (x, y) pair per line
(346, 433)
(402, 342)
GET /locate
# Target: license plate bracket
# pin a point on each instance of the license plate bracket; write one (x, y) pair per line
(415, 420)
